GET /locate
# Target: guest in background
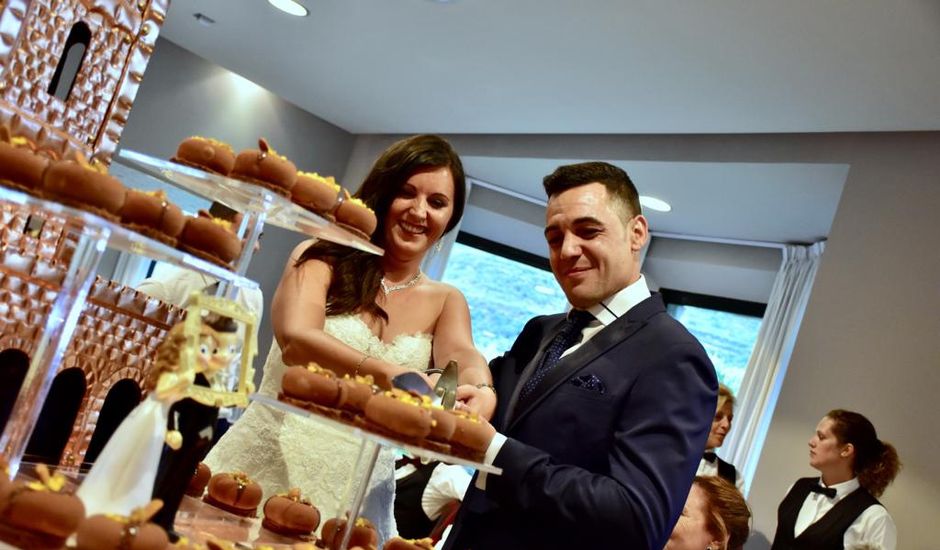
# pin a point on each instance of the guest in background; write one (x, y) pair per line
(715, 517)
(840, 508)
(424, 492)
(710, 464)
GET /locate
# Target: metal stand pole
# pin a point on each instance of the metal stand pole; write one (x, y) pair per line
(56, 335)
(368, 454)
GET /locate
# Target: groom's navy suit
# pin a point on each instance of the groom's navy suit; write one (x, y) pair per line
(601, 454)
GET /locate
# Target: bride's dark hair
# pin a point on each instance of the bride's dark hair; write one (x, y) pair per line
(356, 274)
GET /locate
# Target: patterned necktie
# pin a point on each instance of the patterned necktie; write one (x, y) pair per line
(569, 335)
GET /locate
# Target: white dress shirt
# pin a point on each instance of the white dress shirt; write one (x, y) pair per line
(176, 289)
(706, 468)
(605, 313)
(873, 526)
(447, 483)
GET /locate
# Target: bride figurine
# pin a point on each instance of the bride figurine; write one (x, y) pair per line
(123, 476)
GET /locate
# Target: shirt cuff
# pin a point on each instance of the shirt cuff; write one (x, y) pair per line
(496, 444)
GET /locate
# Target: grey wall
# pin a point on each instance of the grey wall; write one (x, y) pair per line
(869, 339)
(183, 95)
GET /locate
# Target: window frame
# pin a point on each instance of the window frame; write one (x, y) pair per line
(718, 303)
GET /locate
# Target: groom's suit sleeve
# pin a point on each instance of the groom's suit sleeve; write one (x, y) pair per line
(656, 443)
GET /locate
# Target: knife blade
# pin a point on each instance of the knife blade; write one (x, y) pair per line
(412, 382)
(445, 391)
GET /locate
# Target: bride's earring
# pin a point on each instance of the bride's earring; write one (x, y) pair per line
(438, 246)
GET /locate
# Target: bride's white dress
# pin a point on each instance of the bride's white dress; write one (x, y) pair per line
(281, 450)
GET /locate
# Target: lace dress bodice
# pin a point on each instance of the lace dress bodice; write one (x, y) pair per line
(281, 450)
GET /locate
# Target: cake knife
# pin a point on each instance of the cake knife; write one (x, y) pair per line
(445, 391)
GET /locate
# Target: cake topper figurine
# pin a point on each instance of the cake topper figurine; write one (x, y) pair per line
(233, 331)
(187, 365)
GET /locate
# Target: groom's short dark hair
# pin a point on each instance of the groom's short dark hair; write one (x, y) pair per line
(618, 183)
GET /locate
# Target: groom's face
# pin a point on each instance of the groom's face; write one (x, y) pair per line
(591, 243)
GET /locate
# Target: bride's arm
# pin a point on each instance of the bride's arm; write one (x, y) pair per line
(298, 312)
(453, 341)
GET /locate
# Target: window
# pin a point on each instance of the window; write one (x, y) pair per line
(504, 288)
(70, 63)
(726, 328)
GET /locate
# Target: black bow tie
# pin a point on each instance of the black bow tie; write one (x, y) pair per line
(825, 491)
(710, 456)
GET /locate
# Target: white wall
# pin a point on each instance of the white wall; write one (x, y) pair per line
(870, 338)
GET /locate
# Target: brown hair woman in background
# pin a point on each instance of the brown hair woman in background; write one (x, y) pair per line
(839, 509)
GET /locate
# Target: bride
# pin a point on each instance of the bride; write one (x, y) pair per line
(358, 313)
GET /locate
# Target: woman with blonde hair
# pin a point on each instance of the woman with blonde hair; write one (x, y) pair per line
(711, 464)
(715, 517)
(839, 509)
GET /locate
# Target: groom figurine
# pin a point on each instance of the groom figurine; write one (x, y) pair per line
(603, 411)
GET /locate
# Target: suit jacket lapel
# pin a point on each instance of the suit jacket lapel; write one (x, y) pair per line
(618, 331)
(530, 367)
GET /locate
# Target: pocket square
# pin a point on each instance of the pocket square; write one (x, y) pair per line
(589, 382)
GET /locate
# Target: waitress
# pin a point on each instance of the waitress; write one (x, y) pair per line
(839, 509)
(710, 464)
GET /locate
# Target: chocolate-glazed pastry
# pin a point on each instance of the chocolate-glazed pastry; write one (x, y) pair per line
(235, 493)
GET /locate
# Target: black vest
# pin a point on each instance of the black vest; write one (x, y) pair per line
(727, 472)
(412, 522)
(826, 533)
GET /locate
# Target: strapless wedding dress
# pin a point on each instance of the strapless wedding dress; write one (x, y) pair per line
(281, 450)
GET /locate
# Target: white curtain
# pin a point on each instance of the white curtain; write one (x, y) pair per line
(436, 259)
(757, 396)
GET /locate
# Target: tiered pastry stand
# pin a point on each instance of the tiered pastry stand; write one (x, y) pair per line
(371, 444)
(92, 235)
(197, 520)
(263, 206)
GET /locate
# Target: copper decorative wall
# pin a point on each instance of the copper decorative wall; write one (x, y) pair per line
(36, 38)
(117, 333)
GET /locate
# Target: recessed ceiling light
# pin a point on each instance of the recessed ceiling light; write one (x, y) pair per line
(653, 203)
(289, 6)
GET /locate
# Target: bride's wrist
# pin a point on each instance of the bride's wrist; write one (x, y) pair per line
(381, 372)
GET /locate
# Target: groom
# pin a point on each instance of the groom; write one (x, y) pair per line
(603, 412)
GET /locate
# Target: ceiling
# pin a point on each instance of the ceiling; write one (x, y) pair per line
(771, 202)
(604, 67)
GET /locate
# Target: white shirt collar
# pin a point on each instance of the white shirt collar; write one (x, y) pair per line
(622, 301)
(844, 488)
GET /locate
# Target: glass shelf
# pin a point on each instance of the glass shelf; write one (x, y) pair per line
(413, 450)
(243, 197)
(127, 240)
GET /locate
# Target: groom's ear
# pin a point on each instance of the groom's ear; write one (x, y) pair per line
(638, 231)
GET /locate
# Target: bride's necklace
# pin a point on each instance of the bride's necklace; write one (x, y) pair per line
(388, 289)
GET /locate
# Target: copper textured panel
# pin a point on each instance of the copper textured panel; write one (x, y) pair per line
(32, 39)
(117, 334)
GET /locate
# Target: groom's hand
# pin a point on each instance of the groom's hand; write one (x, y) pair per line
(481, 400)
